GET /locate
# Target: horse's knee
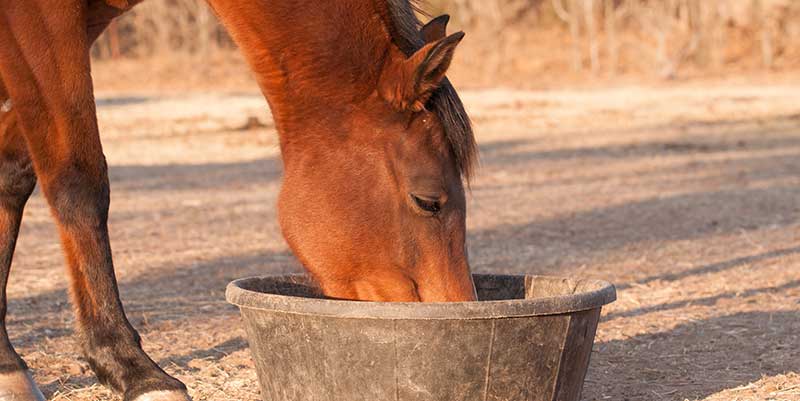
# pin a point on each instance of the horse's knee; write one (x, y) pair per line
(17, 177)
(78, 195)
(73, 173)
(17, 181)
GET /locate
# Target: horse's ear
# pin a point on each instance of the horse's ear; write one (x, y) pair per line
(407, 83)
(435, 29)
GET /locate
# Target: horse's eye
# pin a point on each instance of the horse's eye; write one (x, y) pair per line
(428, 205)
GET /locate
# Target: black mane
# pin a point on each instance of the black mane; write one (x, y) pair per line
(404, 28)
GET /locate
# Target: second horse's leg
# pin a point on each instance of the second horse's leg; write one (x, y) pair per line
(17, 181)
(46, 70)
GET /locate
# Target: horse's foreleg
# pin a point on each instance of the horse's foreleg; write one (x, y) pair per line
(17, 180)
(44, 61)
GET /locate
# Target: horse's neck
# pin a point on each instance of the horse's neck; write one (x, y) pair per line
(316, 55)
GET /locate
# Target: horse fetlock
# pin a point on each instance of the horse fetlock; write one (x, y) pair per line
(19, 386)
(103, 350)
(128, 371)
(119, 362)
(107, 333)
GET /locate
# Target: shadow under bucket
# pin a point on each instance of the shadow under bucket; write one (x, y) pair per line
(529, 338)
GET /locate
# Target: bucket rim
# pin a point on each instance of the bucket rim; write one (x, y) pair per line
(588, 294)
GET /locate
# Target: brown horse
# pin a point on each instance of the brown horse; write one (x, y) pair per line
(374, 140)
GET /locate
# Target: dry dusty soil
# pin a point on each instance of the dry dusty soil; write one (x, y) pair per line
(687, 198)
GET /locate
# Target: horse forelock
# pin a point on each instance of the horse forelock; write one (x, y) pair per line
(403, 26)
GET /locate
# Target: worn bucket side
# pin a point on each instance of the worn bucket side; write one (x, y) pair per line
(498, 356)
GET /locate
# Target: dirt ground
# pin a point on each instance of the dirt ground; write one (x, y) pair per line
(686, 197)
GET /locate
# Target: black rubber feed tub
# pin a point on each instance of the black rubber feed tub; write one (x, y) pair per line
(528, 339)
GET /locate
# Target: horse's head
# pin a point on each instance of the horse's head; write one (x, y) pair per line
(378, 212)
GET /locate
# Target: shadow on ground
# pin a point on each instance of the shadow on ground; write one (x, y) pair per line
(121, 100)
(758, 164)
(713, 267)
(173, 177)
(777, 132)
(170, 293)
(696, 360)
(565, 240)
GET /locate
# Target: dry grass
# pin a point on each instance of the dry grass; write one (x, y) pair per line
(686, 197)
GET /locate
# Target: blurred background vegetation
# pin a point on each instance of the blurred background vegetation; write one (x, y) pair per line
(524, 43)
